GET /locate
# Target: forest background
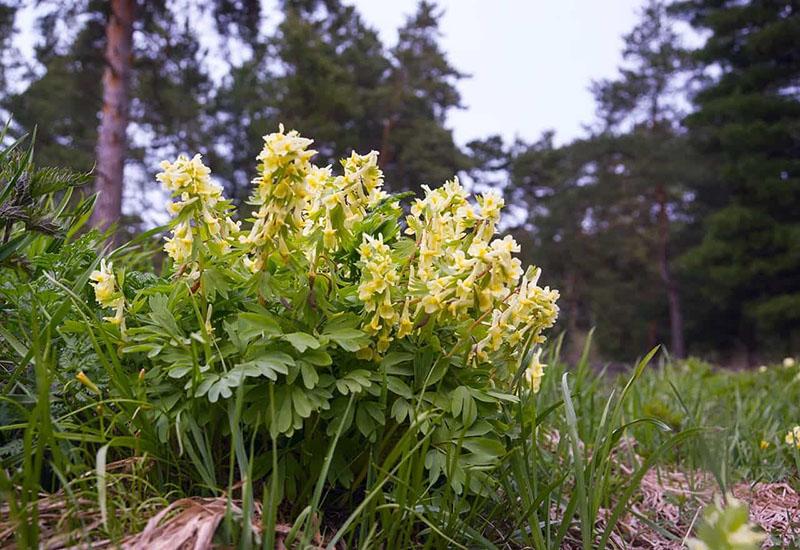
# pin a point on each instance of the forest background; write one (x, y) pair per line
(673, 220)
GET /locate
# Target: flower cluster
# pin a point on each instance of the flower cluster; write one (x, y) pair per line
(106, 293)
(524, 309)
(281, 194)
(346, 197)
(460, 272)
(200, 208)
(378, 277)
(459, 267)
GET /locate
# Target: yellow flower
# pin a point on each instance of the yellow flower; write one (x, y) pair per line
(104, 284)
(764, 444)
(106, 294)
(281, 193)
(535, 371)
(793, 437)
(406, 324)
(726, 524)
(208, 220)
(179, 246)
(789, 362)
(431, 303)
(86, 381)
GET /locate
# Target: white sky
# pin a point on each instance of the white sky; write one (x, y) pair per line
(531, 61)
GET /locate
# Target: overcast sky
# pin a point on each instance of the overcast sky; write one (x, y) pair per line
(531, 61)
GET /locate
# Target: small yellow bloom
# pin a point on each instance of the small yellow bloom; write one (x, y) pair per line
(535, 371)
(406, 324)
(789, 362)
(793, 437)
(104, 284)
(83, 379)
(764, 444)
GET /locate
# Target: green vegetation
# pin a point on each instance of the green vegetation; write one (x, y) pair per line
(318, 358)
(679, 199)
(278, 397)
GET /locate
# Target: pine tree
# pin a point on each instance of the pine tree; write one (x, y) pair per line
(322, 72)
(746, 123)
(169, 91)
(112, 138)
(416, 145)
(639, 103)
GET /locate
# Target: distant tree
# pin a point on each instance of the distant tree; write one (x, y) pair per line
(8, 11)
(63, 96)
(416, 145)
(321, 72)
(167, 89)
(638, 106)
(112, 139)
(748, 124)
(592, 238)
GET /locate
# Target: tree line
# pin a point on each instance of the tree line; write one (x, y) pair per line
(673, 220)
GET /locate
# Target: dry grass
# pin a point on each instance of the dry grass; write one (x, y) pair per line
(662, 516)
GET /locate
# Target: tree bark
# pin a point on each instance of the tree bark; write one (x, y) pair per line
(671, 286)
(112, 132)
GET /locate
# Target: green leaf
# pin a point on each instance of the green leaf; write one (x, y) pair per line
(301, 403)
(162, 316)
(318, 357)
(260, 323)
(397, 386)
(349, 339)
(179, 372)
(354, 382)
(485, 448)
(270, 363)
(401, 409)
(309, 374)
(301, 341)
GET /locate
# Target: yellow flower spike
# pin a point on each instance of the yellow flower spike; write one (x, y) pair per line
(406, 324)
(83, 379)
(190, 180)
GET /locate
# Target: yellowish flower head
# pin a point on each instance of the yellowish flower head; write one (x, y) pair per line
(793, 437)
(86, 381)
(789, 362)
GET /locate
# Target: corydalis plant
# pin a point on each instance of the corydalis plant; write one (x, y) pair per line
(456, 270)
(330, 293)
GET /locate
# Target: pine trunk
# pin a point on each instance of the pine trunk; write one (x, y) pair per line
(673, 296)
(111, 135)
